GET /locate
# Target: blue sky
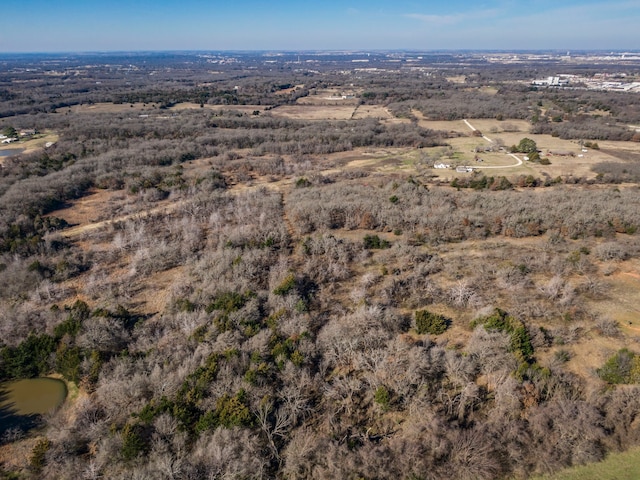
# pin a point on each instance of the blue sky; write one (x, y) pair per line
(90, 25)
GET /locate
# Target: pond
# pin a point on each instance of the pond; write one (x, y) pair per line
(11, 151)
(23, 401)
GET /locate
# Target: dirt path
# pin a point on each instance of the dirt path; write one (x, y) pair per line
(168, 208)
(520, 162)
(505, 166)
(90, 227)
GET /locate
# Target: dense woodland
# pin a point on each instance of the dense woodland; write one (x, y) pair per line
(315, 321)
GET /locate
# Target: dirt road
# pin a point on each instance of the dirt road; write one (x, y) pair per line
(491, 141)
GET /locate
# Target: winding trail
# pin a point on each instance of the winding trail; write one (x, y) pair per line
(168, 208)
(520, 162)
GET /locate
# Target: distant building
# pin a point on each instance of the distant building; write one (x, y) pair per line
(552, 82)
(441, 165)
(27, 132)
(464, 169)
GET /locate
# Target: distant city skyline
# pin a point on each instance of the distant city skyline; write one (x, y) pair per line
(85, 25)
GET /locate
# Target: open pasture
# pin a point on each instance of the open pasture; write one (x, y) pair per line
(566, 156)
(314, 112)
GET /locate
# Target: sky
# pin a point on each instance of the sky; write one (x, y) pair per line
(129, 25)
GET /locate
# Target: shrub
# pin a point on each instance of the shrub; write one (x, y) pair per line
(68, 360)
(526, 145)
(233, 412)
(623, 367)
(184, 305)
(375, 242)
(29, 359)
(133, 443)
(427, 322)
(562, 356)
(286, 286)
(501, 321)
(302, 182)
(38, 455)
(228, 302)
(382, 397)
(79, 312)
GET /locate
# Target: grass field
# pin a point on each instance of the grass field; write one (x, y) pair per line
(330, 96)
(510, 132)
(32, 144)
(248, 109)
(315, 112)
(617, 466)
(111, 108)
(372, 111)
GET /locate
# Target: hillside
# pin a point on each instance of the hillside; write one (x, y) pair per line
(288, 287)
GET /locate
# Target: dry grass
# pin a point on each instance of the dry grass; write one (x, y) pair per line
(623, 302)
(288, 91)
(372, 111)
(330, 96)
(492, 127)
(113, 108)
(575, 165)
(455, 126)
(15, 456)
(460, 79)
(89, 208)
(314, 112)
(155, 292)
(145, 109)
(248, 109)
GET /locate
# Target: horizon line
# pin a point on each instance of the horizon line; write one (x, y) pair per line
(326, 50)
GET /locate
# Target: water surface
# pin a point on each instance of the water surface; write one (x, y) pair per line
(23, 401)
(11, 151)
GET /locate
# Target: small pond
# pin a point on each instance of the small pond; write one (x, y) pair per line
(22, 401)
(11, 151)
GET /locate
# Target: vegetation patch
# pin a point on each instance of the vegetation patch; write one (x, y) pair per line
(432, 323)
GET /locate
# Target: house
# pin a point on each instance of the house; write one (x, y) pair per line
(464, 169)
(28, 132)
(441, 165)
(9, 140)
